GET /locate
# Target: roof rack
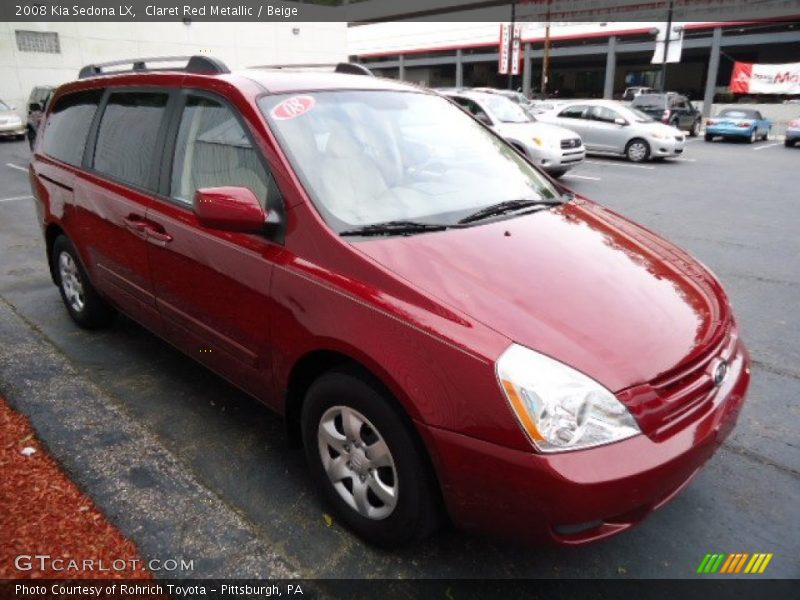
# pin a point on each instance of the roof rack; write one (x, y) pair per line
(342, 67)
(203, 65)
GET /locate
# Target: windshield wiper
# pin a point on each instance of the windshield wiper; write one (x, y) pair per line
(394, 228)
(500, 208)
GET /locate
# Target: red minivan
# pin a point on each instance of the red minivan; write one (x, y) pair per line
(449, 332)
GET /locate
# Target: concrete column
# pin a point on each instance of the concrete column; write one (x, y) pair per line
(401, 68)
(526, 69)
(459, 69)
(713, 68)
(611, 68)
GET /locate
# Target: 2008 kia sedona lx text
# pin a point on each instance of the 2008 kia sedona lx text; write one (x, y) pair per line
(448, 331)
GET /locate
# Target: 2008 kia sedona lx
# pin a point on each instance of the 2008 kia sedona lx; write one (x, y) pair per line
(449, 332)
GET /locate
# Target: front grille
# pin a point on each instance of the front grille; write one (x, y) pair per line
(570, 143)
(673, 399)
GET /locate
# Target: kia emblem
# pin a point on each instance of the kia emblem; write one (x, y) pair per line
(720, 371)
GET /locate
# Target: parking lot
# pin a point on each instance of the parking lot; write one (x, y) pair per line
(734, 206)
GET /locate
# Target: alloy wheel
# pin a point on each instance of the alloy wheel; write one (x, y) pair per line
(71, 282)
(637, 151)
(358, 462)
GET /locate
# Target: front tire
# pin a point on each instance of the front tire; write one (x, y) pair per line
(637, 150)
(82, 301)
(366, 460)
(558, 174)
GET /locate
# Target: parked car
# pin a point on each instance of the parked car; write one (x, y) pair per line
(11, 124)
(37, 102)
(445, 329)
(792, 133)
(554, 149)
(609, 127)
(631, 92)
(738, 123)
(672, 109)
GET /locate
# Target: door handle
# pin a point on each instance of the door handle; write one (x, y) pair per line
(136, 225)
(156, 234)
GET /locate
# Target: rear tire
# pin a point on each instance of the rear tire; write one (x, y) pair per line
(695, 130)
(752, 138)
(788, 143)
(637, 150)
(378, 451)
(709, 137)
(80, 298)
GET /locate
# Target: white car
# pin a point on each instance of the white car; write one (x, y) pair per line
(609, 127)
(554, 149)
(11, 124)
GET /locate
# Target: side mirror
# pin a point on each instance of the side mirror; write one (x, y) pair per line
(230, 208)
(620, 121)
(34, 106)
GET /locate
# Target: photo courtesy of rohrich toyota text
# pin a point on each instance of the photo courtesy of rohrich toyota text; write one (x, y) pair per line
(422, 299)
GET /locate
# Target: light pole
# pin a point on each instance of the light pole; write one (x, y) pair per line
(546, 55)
(511, 44)
(666, 48)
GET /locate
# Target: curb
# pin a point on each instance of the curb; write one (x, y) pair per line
(135, 481)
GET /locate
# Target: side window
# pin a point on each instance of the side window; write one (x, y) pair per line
(212, 150)
(472, 108)
(128, 135)
(68, 126)
(572, 112)
(603, 113)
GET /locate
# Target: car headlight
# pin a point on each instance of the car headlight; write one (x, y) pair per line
(538, 141)
(660, 136)
(558, 407)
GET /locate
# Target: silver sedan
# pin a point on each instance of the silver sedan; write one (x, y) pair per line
(553, 149)
(609, 127)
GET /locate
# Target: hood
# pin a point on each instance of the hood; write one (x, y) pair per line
(659, 127)
(577, 283)
(526, 131)
(8, 113)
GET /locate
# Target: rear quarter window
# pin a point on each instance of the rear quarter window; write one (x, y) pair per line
(68, 124)
(127, 139)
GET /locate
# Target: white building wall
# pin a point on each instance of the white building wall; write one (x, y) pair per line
(237, 44)
(397, 37)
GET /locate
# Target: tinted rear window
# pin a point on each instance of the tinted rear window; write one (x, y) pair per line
(738, 113)
(649, 100)
(68, 125)
(128, 135)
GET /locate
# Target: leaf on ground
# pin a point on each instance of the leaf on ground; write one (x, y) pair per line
(328, 519)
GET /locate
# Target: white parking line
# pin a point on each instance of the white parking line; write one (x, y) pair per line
(15, 198)
(574, 176)
(616, 164)
(17, 167)
(768, 146)
(681, 159)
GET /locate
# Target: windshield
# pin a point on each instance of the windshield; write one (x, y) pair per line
(4, 106)
(504, 110)
(368, 157)
(650, 100)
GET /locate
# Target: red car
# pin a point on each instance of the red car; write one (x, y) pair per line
(449, 332)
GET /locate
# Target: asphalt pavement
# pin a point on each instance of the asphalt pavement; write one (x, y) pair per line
(734, 206)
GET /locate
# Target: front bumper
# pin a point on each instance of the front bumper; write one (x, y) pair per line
(573, 498)
(557, 159)
(672, 146)
(15, 129)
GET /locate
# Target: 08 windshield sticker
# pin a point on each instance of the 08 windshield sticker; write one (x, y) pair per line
(293, 107)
